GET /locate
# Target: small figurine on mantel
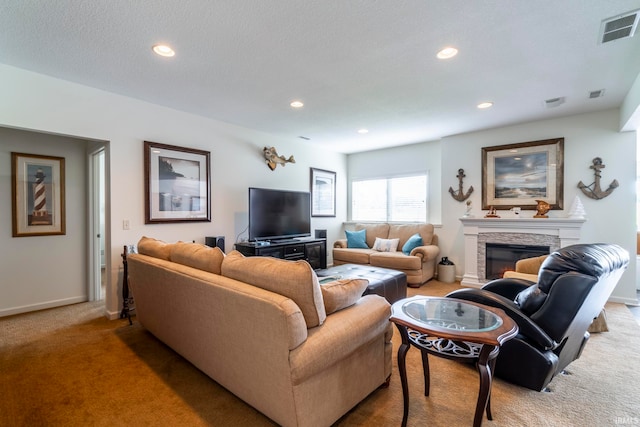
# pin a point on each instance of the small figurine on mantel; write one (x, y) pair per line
(542, 209)
(492, 213)
(577, 209)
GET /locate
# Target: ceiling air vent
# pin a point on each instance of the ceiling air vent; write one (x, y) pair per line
(596, 94)
(554, 102)
(620, 27)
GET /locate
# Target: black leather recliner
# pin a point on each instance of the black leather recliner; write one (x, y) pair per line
(554, 314)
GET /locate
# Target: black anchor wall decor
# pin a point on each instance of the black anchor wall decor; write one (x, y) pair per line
(460, 194)
(593, 190)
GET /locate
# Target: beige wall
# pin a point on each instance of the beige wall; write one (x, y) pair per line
(39, 103)
(43, 271)
(586, 136)
(43, 104)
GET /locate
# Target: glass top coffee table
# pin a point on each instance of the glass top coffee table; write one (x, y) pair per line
(453, 329)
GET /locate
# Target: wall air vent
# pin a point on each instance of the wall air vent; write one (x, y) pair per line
(554, 102)
(619, 27)
(596, 94)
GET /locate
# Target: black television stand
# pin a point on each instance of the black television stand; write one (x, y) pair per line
(314, 251)
(285, 241)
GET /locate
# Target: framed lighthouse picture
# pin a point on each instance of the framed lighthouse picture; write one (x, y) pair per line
(37, 190)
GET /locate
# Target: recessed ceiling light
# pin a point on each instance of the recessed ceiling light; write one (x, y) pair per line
(163, 50)
(447, 52)
(297, 104)
(363, 131)
(483, 105)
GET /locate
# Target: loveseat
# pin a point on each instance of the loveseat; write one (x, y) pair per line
(418, 261)
(301, 353)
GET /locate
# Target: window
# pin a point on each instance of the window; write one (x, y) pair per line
(400, 199)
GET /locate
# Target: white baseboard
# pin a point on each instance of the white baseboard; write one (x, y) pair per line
(112, 315)
(41, 306)
(629, 301)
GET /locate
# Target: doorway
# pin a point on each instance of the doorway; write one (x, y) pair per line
(97, 219)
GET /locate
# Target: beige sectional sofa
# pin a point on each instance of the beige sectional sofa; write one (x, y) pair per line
(301, 353)
(419, 265)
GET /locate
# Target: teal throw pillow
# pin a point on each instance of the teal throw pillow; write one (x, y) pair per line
(357, 239)
(413, 242)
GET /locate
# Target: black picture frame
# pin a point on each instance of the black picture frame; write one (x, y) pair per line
(37, 195)
(177, 184)
(323, 193)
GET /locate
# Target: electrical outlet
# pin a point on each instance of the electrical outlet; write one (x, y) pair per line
(125, 224)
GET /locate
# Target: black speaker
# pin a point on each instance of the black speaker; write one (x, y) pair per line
(215, 241)
(321, 234)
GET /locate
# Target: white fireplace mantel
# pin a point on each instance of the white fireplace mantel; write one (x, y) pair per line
(567, 230)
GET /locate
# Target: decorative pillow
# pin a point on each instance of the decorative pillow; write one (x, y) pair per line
(155, 248)
(197, 256)
(357, 239)
(342, 293)
(530, 300)
(385, 245)
(413, 242)
(293, 279)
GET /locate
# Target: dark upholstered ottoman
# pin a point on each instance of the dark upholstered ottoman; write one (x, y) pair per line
(391, 284)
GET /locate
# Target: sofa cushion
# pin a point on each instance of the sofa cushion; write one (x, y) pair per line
(197, 256)
(293, 279)
(352, 256)
(342, 293)
(155, 248)
(385, 245)
(395, 260)
(413, 242)
(405, 231)
(357, 239)
(373, 231)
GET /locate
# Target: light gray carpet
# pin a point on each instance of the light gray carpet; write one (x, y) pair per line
(71, 367)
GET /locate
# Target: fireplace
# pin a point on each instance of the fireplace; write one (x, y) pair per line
(553, 233)
(502, 257)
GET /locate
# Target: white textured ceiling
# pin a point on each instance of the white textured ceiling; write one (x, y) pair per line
(354, 63)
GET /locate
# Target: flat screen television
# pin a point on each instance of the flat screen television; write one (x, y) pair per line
(278, 214)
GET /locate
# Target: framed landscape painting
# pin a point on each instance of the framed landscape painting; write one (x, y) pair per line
(518, 175)
(37, 195)
(177, 184)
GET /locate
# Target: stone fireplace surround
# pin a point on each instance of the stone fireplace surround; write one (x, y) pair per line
(553, 232)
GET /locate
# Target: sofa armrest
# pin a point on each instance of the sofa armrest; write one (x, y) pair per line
(427, 252)
(342, 243)
(342, 334)
(533, 278)
(530, 265)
